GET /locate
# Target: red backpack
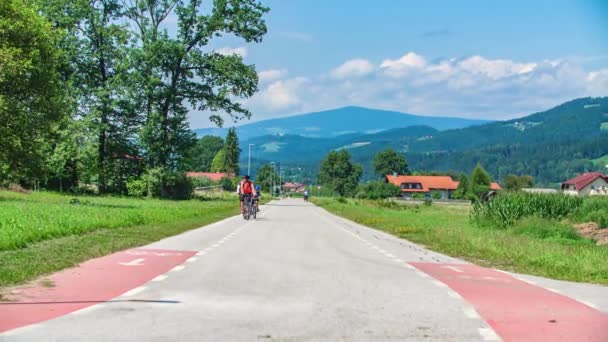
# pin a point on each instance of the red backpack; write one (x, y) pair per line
(246, 187)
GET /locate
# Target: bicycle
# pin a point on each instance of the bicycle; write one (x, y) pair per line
(250, 207)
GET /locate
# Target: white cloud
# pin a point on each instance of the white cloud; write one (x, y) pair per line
(272, 74)
(353, 68)
(241, 51)
(282, 94)
(473, 86)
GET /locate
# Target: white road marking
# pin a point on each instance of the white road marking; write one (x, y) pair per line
(470, 312)
(160, 277)
(389, 255)
(438, 283)
(453, 268)
(177, 268)
(422, 274)
(135, 262)
(193, 259)
(201, 253)
(488, 334)
(134, 291)
(400, 261)
(589, 304)
(553, 290)
(454, 295)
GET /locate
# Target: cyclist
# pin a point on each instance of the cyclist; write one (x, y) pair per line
(305, 195)
(257, 197)
(245, 188)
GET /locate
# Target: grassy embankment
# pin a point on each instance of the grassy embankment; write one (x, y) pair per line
(41, 233)
(533, 245)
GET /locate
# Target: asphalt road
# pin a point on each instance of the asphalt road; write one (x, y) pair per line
(297, 273)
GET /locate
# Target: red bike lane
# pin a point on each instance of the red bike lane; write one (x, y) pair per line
(93, 282)
(517, 310)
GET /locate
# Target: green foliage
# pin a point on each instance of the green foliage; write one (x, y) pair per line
(463, 187)
(219, 161)
(388, 162)
(593, 209)
(229, 184)
(507, 208)
(164, 183)
(339, 173)
(436, 195)
(265, 175)
(137, 187)
(202, 154)
(32, 98)
(201, 182)
(232, 152)
(515, 183)
(378, 190)
(480, 182)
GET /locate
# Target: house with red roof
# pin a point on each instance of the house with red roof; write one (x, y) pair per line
(214, 176)
(587, 184)
(294, 187)
(426, 185)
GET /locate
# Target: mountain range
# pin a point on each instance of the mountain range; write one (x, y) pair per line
(551, 145)
(341, 121)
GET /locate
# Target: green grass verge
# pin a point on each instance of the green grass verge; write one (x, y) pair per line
(45, 233)
(533, 246)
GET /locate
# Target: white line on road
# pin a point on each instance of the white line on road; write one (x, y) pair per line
(135, 262)
(470, 312)
(454, 295)
(590, 304)
(134, 291)
(438, 283)
(488, 334)
(453, 268)
(192, 259)
(160, 277)
(177, 268)
(422, 274)
(553, 290)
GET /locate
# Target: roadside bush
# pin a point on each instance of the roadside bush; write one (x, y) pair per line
(593, 209)
(229, 184)
(507, 208)
(202, 182)
(378, 190)
(137, 187)
(542, 228)
(168, 184)
(341, 200)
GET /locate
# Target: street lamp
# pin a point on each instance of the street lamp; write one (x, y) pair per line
(272, 178)
(249, 160)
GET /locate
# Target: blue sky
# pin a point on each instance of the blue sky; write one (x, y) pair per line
(485, 59)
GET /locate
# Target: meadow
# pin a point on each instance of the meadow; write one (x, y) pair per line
(45, 232)
(532, 244)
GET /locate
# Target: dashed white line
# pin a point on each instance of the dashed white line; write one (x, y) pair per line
(192, 259)
(488, 334)
(134, 291)
(160, 277)
(470, 313)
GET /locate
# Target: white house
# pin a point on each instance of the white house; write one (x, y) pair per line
(587, 184)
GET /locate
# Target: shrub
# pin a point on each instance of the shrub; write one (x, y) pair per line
(229, 184)
(202, 182)
(593, 209)
(436, 195)
(168, 184)
(379, 190)
(137, 187)
(341, 200)
(507, 208)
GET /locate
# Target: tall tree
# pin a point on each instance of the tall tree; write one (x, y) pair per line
(32, 99)
(388, 162)
(463, 187)
(480, 181)
(219, 161)
(178, 72)
(202, 154)
(515, 183)
(339, 173)
(232, 151)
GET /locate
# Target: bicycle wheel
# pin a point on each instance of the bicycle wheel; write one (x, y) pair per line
(255, 210)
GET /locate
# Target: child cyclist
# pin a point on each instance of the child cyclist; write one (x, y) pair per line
(257, 196)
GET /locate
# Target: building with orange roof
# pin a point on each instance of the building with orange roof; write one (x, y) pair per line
(214, 176)
(426, 185)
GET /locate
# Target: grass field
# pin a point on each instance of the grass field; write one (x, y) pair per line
(43, 232)
(533, 246)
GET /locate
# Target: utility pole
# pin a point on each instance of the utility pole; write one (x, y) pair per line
(249, 161)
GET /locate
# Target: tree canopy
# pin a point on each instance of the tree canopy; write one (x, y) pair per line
(339, 173)
(388, 162)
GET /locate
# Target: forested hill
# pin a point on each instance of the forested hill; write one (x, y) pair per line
(551, 146)
(336, 122)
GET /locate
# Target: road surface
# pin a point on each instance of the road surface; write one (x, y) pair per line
(298, 273)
